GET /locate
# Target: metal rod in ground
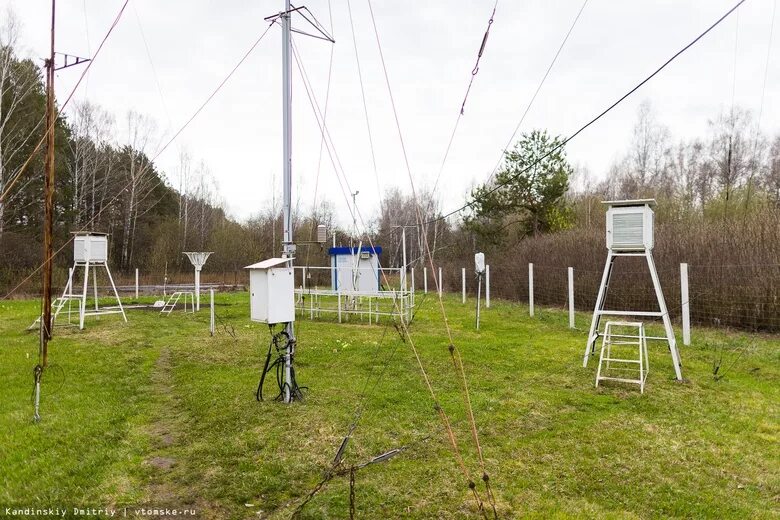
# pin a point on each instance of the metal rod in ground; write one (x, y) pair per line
(487, 286)
(211, 323)
(463, 282)
(686, 309)
(441, 284)
(479, 295)
(425, 280)
(531, 290)
(136, 283)
(571, 297)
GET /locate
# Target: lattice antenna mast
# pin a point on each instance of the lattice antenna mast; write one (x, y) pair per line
(288, 246)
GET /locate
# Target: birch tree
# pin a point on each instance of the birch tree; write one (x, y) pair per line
(15, 85)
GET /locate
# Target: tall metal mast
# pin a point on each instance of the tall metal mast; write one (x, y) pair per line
(287, 238)
(288, 245)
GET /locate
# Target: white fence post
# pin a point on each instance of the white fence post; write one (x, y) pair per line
(412, 294)
(487, 286)
(531, 290)
(463, 282)
(571, 297)
(425, 280)
(686, 309)
(136, 283)
(440, 282)
(212, 325)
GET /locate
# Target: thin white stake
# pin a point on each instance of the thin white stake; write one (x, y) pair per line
(686, 309)
(571, 297)
(440, 282)
(487, 286)
(212, 325)
(531, 290)
(136, 283)
(463, 282)
(425, 280)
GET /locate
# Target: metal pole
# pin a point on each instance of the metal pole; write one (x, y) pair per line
(48, 205)
(211, 322)
(531, 290)
(571, 297)
(289, 247)
(136, 283)
(403, 272)
(479, 296)
(48, 222)
(487, 286)
(463, 282)
(197, 289)
(440, 282)
(686, 309)
(425, 280)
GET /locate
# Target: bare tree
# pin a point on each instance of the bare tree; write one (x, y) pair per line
(730, 150)
(141, 134)
(15, 86)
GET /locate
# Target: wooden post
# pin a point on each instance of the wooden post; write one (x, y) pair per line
(463, 282)
(571, 297)
(686, 308)
(531, 290)
(487, 286)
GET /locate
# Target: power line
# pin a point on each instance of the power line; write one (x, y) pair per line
(365, 106)
(453, 350)
(600, 115)
(403, 326)
(160, 181)
(26, 163)
(527, 108)
(151, 62)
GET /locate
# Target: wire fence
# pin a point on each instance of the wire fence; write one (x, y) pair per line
(745, 297)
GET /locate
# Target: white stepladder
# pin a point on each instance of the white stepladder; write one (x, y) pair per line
(623, 366)
(170, 305)
(90, 251)
(630, 233)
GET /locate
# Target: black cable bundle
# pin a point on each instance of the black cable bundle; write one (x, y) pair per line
(280, 341)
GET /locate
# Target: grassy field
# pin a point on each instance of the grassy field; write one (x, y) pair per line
(156, 412)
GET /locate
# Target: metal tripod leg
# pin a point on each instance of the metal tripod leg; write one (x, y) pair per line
(665, 316)
(602, 296)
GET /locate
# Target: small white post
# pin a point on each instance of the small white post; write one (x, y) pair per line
(571, 297)
(412, 287)
(403, 272)
(339, 302)
(531, 290)
(197, 289)
(136, 283)
(425, 280)
(212, 325)
(440, 282)
(69, 287)
(487, 286)
(463, 282)
(686, 309)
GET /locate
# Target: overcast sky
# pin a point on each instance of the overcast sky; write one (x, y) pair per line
(430, 48)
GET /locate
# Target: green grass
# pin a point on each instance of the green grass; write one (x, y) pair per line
(157, 412)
